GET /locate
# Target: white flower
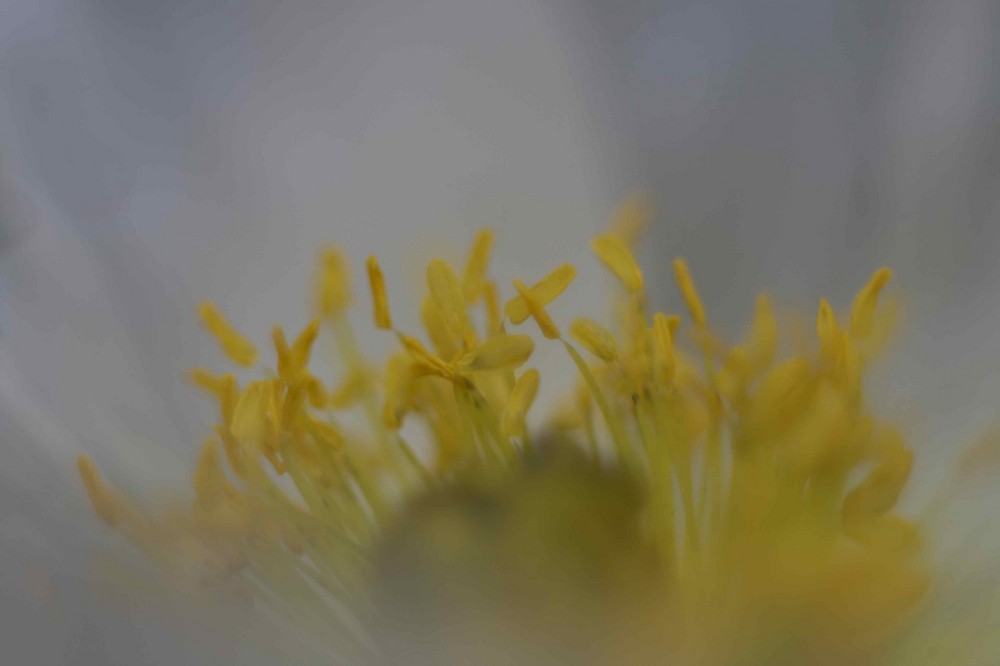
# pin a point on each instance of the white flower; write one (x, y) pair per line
(156, 158)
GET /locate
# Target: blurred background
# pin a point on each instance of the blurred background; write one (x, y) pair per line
(153, 154)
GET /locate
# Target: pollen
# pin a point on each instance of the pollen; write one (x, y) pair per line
(753, 517)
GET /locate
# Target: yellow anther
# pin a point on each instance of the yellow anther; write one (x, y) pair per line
(537, 311)
(827, 330)
(594, 338)
(850, 362)
(326, 435)
(380, 299)
(474, 276)
(616, 255)
(428, 361)
(318, 397)
(566, 415)
(682, 276)
(208, 381)
(399, 378)
(223, 387)
(303, 345)
(208, 479)
(863, 308)
(229, 395)
(735, 372)
(673, 323)
(106, 504)
(283, 352)
(253, 414)
(238, 348)
(781, 390)
(291, 408)
(503, 352)
(292, 360)
(520, 400)
(821, 432)
(351, 390)
(233, 448)
(494, 320)
(333, 289)
(445, 342)
(447, 294)
(763, 333)
(663, 346)
(889, 534)
(696, 416)
(880, 490)
(631, 218)
(544, 292)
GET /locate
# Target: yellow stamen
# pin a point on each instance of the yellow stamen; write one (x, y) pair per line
(333, 291)
(223, 387)
(379, 297)
(631, 218)
(682, 276)
(766, 489)
(252, 419)
(826, 328)
(327, 435)
(544, 292)
(106, 504)
(447, 294)
(504, 352)
(303, 345)
(663, 346)
(283, 353)
(474, 276)
(445, 342)
(428, 361)
(881, 488)
(617, 256)
(208, 479)
(494, 321)
(525, 390)
(351, 390)
(292, 360)
(399, 379)
(763, 334)
(595, 338)
(537, 311)
(863, 308)
(208, 380)
(239, 349)
(318, 396)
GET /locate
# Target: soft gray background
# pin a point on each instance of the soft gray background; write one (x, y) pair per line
(156, 153)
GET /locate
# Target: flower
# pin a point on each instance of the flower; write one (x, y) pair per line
(695, 502)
